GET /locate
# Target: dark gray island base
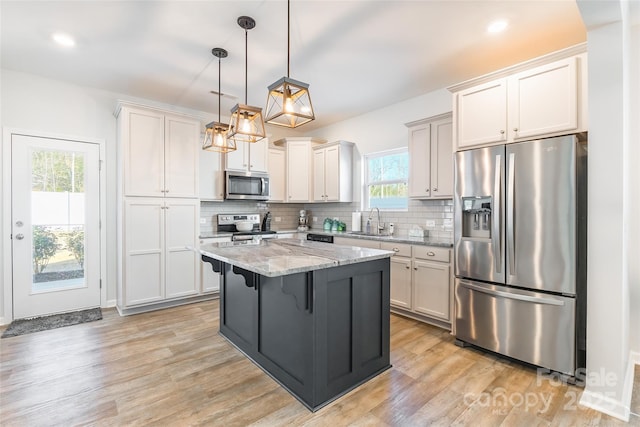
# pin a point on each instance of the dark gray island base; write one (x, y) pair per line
(318, 333)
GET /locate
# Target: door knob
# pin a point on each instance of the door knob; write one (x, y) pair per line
(19, 236)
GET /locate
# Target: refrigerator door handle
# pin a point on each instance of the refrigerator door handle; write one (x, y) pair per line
(510, 295)
(496, 232)
(511, 215)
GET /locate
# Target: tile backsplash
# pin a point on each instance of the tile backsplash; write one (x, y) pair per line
(436, 216)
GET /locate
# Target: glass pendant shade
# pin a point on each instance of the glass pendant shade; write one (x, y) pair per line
(246, 123)
(289, 103)
(215, 138)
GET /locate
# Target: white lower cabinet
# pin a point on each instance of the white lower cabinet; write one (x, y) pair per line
(401, 282)
(431, 289)
(157, 265)
(421, 283)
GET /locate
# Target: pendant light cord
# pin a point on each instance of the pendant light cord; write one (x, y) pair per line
(246, 63)
(219, 90)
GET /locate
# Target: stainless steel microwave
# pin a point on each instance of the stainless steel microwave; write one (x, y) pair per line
(246, 185)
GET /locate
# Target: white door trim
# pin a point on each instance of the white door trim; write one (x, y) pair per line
(6, 316)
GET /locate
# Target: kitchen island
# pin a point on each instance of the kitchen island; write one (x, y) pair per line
(314, 316)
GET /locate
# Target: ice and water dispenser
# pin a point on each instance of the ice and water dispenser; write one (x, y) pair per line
(476, 217)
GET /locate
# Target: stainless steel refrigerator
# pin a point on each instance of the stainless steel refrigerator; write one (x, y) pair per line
(520, 251)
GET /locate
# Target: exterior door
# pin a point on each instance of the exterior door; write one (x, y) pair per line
(55, 221)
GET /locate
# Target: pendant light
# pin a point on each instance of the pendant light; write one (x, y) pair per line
(289, 102)
(246, 123)
(215, 136)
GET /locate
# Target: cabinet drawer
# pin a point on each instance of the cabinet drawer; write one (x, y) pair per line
(431, 253)
(400, 249)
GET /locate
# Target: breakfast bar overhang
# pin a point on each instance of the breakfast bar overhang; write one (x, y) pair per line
(314, 316)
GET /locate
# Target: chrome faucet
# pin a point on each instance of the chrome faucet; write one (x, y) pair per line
(379, 225)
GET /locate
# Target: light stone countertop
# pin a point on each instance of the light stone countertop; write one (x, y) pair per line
(279, 257)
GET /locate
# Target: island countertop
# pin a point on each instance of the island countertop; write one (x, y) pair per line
(279, 257)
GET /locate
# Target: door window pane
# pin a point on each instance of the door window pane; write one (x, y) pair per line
(58, 220)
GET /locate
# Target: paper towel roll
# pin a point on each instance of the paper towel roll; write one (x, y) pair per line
(356, 221)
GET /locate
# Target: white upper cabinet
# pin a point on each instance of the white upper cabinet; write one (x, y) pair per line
(181, 157)
(332, 172)
(211, 176)
(482, 114)
(442, 158)
(159, 153)
(277, 174)
(249, 156)
(544, 100)
(540, 98)
(431, 158)
(299, 167)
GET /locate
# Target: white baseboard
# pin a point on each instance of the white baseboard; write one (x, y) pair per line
(608, 405)
(110, 303)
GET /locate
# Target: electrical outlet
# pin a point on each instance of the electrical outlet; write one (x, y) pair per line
(315, 219)
(203, 220)
(278, 219)
(431, 223)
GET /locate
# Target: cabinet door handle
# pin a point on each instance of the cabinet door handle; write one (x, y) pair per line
(515, 129)
(407, 267)
(415, 268)
(501, 131)
(396, 250)
(435, 189)
(431, 253)
(426, 190)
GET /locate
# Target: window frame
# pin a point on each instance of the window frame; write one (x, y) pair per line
(366, 205)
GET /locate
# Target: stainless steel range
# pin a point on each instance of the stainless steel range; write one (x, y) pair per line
(229, 222)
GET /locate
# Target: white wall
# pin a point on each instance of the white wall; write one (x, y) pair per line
(384, 129)
(633, 95)
(613, 196)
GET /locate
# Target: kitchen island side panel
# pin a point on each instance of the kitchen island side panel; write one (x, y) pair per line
(320, 333)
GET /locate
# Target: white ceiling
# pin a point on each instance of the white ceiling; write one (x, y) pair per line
(357, 55)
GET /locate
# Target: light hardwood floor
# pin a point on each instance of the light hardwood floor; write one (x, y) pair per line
(171, 368)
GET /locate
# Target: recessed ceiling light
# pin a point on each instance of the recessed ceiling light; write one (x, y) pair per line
(497, 26)
(63, 39)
